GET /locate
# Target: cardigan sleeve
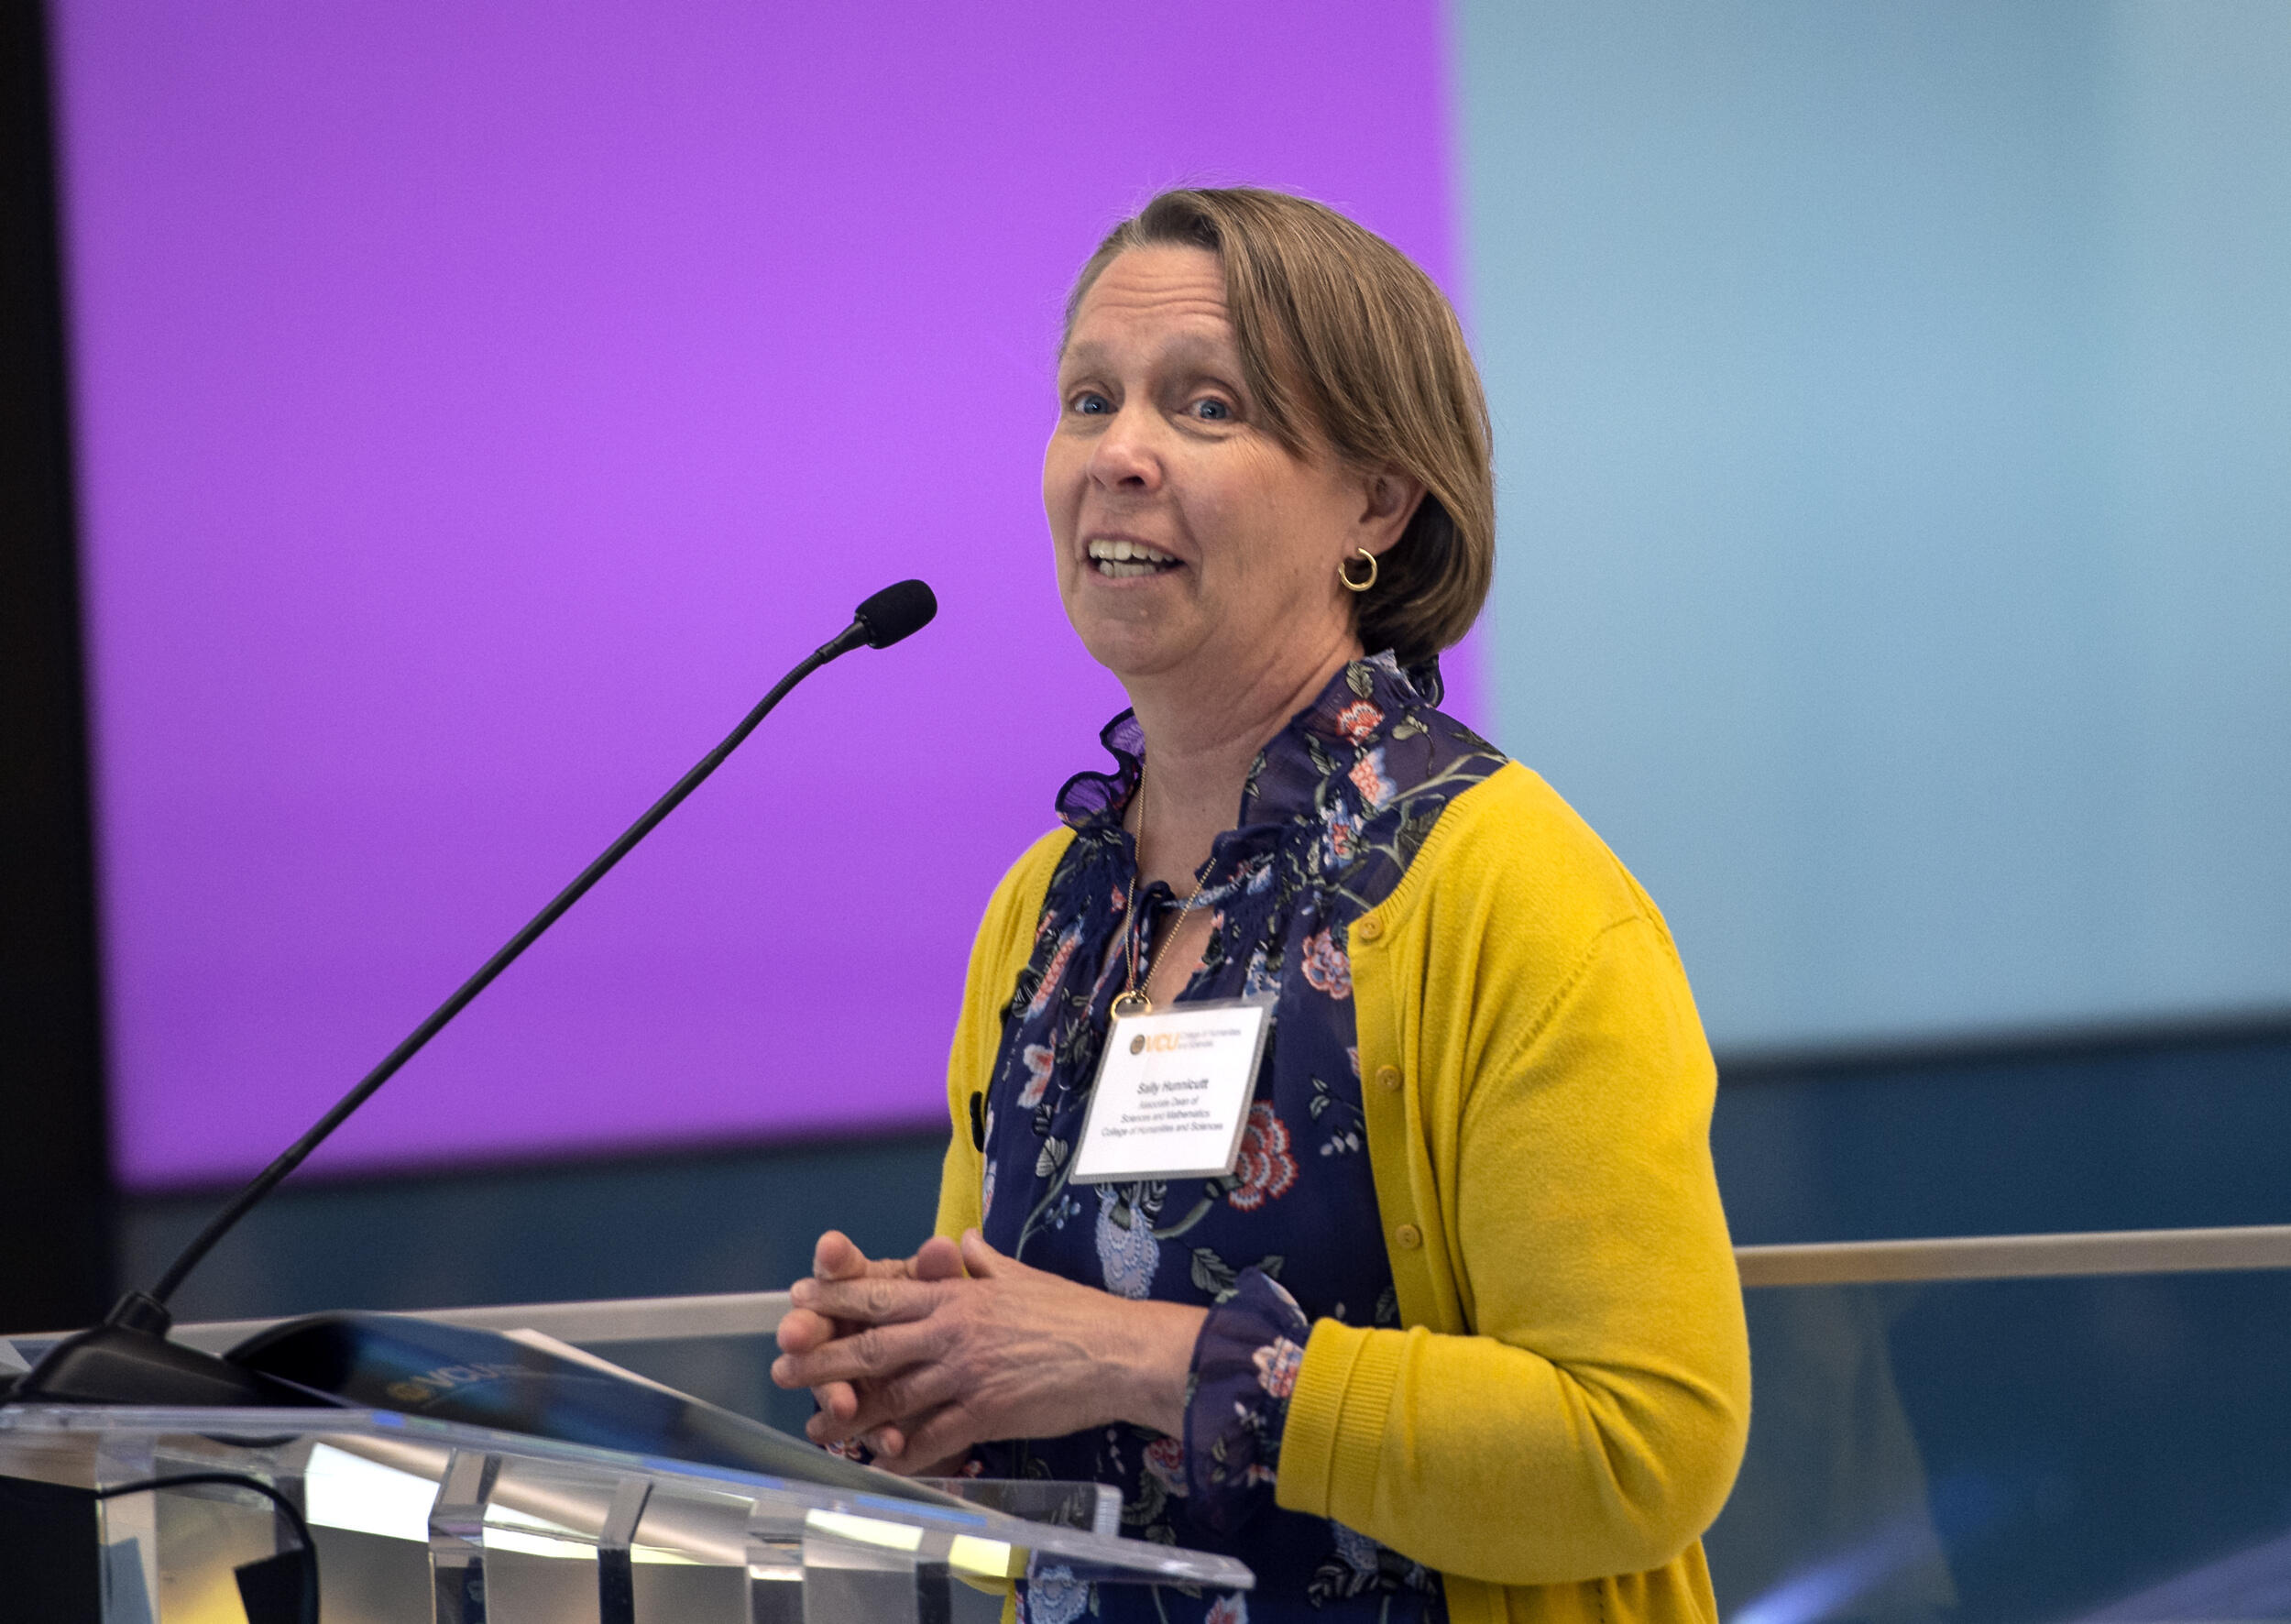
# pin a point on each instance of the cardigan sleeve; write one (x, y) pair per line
(1550, 1196)
(998, 952)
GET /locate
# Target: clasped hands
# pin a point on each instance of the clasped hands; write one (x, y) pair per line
(922, 1357)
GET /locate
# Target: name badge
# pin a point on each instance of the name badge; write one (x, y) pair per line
(1173, 1093)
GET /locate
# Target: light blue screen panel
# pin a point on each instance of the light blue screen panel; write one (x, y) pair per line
(1893, 407)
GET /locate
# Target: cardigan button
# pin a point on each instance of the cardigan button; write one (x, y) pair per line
(1389, 1077)
(1368, 930)
(1408, 1236)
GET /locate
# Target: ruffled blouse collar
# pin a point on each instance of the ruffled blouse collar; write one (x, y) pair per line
(1339, 733)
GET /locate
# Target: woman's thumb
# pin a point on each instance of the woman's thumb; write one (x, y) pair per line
(980, 1260)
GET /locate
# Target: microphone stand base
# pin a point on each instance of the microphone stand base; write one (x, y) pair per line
(128, 1360)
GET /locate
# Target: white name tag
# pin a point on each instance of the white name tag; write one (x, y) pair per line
(1173, 1093)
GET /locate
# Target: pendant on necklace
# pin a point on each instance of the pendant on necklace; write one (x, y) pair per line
(1132, 1004)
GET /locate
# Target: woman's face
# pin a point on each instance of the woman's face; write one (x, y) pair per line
(1189, 542)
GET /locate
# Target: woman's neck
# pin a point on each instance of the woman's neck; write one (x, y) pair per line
(1199, 744)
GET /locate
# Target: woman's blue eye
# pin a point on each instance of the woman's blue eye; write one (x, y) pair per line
(1214, 411)
(1095, 404)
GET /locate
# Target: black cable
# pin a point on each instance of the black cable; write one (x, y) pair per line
(270, 1492)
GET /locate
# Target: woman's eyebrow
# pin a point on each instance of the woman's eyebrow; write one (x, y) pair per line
(1083, 355)
(1201, 353)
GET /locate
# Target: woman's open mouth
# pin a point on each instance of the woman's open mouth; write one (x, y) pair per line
(1116, 560)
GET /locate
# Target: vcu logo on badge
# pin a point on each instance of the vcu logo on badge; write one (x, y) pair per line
(1137, 1044)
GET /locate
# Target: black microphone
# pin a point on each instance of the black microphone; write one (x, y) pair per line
(127, 1358)
(895, 613)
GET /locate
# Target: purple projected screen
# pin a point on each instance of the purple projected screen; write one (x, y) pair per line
(479, 408)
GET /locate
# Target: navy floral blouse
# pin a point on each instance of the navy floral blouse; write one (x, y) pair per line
(1334, 809)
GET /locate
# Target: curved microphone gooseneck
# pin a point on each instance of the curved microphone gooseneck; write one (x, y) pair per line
(114, 1355)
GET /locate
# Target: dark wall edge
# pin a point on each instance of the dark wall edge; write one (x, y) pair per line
(56, 1209)
(2014, 1046)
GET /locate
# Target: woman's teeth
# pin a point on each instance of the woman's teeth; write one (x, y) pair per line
(1116, 560)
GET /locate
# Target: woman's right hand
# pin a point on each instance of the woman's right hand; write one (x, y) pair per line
(837, 1258)
(999, 1350)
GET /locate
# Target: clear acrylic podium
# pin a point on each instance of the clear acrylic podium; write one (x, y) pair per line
(415, 1521)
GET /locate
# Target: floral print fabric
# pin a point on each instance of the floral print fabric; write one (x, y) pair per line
(1335, 807)
(1244, 1368)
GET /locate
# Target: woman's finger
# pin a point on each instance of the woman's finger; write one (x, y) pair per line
(937, 1258)
(926, 1442)
(834, 1256)
(800, 1331)
(897, 1400)
(826, 1425)
(870, 1301)
(869, 1354)
(982, 1261)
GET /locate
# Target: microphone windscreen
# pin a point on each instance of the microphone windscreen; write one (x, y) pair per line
(896, 611)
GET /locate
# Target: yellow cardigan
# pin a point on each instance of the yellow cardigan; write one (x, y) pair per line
(1564, 1413)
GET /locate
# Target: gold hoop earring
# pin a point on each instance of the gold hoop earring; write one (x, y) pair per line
(1344, 572)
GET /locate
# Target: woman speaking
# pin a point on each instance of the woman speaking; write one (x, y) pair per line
(1330, 1167)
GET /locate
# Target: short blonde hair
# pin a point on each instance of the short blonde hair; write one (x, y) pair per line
(1346, 342)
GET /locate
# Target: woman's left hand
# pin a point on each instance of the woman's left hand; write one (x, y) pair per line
(1006, 1351)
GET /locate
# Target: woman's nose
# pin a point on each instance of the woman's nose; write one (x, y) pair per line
(1126, 457)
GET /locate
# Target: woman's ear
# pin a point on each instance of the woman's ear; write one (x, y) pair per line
(1391, 499)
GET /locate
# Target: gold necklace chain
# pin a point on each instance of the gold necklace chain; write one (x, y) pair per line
(1134, 1001)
